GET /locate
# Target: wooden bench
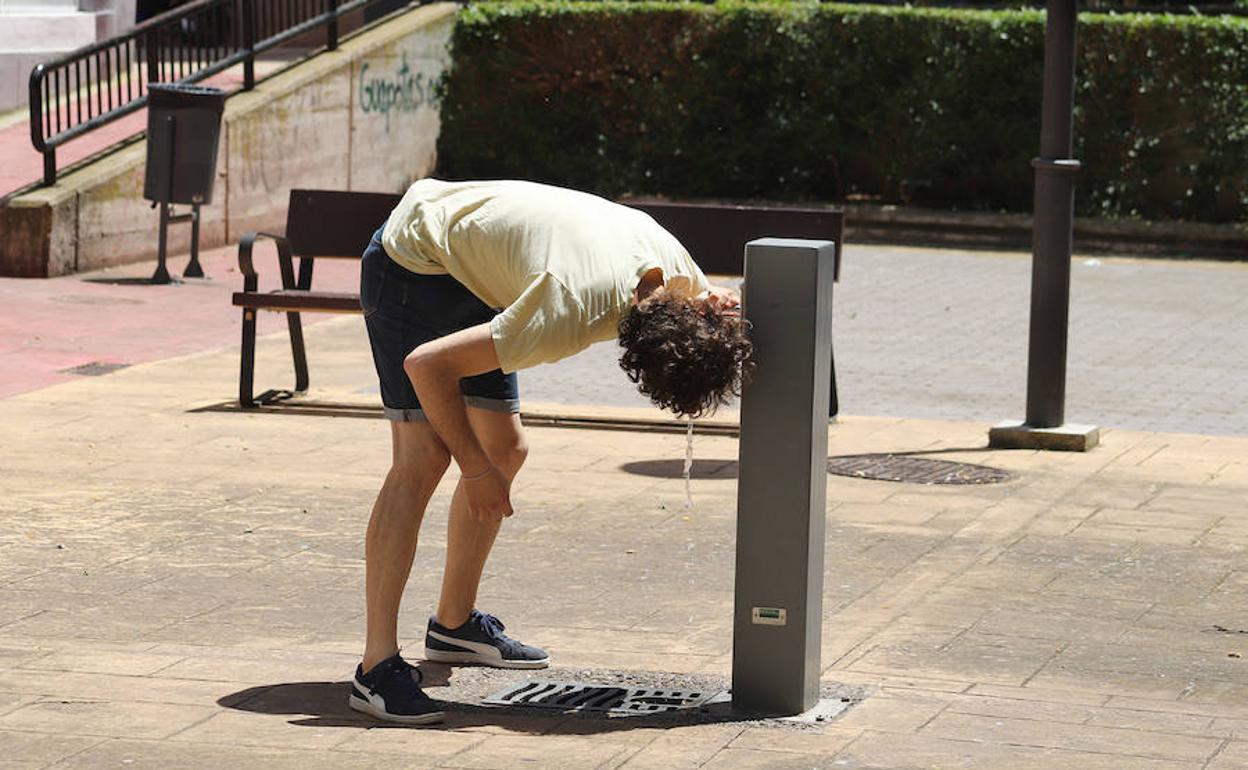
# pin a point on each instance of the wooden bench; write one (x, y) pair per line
(320, 224)
(326, 224)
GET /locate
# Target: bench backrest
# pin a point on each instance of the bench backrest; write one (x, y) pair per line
(715, 234)
(334, 223)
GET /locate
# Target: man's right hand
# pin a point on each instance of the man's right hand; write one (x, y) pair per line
(489, 495)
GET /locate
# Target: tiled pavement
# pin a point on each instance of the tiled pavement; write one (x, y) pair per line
(182, 588)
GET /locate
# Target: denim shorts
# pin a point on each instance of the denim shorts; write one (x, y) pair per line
(404, 310)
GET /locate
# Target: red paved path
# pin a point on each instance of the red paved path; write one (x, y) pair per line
(49, 325)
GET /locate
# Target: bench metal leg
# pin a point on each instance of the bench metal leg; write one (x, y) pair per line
(247, 370)
(834, 405)
(298, 351)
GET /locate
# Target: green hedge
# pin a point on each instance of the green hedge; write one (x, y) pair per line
(802, 101)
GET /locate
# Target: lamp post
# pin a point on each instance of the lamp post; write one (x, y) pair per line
(1052, 228)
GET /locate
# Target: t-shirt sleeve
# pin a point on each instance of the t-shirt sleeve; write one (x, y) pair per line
(682, 275)
(544, 324)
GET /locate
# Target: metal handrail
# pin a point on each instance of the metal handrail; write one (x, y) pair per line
(109, 79)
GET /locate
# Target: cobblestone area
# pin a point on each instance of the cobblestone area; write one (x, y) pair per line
(1154, 345)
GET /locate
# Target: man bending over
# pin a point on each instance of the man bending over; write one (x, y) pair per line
(465, 284)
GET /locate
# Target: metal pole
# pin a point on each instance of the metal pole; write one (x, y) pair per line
(49, 167)
(332, 26)
(1053, 224)
(193, 268)
(248, 9)
(162, 271)
(782, 486)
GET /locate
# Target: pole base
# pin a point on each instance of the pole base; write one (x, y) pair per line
(1070, 437)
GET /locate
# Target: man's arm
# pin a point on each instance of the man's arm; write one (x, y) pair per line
(435, 369)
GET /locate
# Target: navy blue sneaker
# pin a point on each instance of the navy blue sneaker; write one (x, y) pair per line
(391, 691)
(480, 640)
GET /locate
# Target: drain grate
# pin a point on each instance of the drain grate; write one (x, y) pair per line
(580, 696)
(915, 470)
(94, 369)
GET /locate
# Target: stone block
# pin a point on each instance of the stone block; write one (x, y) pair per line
(1070, 437)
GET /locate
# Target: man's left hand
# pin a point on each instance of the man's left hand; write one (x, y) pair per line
(720, 298)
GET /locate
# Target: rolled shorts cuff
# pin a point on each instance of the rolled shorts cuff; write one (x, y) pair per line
(501, 405)
(404, 415)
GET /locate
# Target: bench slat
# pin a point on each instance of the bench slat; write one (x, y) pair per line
(294, 301)
(716, 233)
(334, 223)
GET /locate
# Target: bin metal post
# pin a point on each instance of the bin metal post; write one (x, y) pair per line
(782, 482)
(193, 268)
(162, 271)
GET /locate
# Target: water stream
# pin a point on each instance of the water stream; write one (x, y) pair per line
(688, 465)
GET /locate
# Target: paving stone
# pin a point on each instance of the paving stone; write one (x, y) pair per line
(161, 755)
(127, 663)
(38, 750)
(1233, 756)
(233, 728)
(892, 713)
(997, 659)
(828, 742)
(1184, 724)
(981, 705)
(509, 751)
(1030, 693)
(429, 744)
(107, 687)
(103, 718)
(683, 748)
(753, 759)
(921, 751)
(1107, 740)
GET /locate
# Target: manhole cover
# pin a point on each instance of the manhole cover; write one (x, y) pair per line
(94, 369)
(914, 470)
(580, 696)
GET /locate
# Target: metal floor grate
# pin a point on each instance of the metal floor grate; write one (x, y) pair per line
(580, 696)
(915, 470)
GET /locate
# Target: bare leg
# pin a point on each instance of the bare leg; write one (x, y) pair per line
(468, 540)
(419, 460)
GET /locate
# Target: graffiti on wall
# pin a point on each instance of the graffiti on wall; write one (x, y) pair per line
(401, 91)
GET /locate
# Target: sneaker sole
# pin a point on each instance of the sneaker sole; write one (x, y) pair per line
(494, 661)
(363, 706)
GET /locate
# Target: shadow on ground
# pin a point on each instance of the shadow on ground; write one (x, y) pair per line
(728, 469)
(324, 704)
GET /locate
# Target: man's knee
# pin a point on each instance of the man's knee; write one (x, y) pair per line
(509, 455)
(420, 457)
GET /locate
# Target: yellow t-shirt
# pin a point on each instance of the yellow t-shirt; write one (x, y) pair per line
(562, 265)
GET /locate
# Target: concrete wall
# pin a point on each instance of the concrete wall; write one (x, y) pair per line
(363, 117)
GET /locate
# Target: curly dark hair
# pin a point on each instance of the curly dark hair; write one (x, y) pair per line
(688, 358)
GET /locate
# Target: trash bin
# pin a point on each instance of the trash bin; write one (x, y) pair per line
(183, 129)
